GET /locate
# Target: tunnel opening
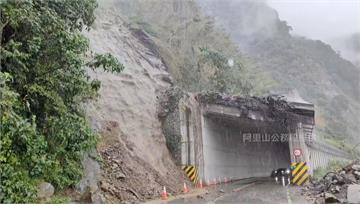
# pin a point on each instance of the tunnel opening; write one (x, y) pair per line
(237, 148)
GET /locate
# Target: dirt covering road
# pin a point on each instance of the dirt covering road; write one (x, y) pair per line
(254, 191)
(264, 192)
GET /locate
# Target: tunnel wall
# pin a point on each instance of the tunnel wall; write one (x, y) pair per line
(227, 155)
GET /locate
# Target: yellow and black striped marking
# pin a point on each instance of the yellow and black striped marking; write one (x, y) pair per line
(299, 173)
(192, 172)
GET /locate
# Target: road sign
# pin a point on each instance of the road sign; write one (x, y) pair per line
(297, 152)
(192, 172)
(299, 174)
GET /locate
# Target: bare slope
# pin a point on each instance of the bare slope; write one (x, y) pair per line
(136, 161)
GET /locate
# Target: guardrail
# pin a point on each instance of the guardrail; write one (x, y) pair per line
(321, 154)
(328, 149)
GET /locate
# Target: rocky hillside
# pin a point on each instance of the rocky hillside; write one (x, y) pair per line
(136, 162)
(182, 33)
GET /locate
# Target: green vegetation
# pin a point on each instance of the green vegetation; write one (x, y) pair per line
(43, 83)
(333, 166)
(222, 74)
(58, 200)
(195, 51)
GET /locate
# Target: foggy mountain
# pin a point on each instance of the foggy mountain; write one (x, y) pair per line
(335, 22)
(312, 67)
(348, 46)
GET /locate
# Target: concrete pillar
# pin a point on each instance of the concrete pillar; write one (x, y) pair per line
(201, 133)
(298, 141)
(318, 158)
(184, 140)
(192, 139)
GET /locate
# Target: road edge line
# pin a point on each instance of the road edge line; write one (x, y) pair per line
(233, 191)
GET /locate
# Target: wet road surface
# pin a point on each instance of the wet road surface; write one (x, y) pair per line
(254, 191)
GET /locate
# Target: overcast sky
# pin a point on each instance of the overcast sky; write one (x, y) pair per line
(320, 19)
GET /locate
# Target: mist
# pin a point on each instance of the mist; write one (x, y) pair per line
(336, 22)
(246, 21)
(320, 19)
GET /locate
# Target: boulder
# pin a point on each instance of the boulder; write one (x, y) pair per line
(120, 175)
(45, 190)
(200, 197)
(350, 178)
(319, 188)
(320, 200)
(98, 198)
(88, 185)
(338, 180)
(335, 189)
(353, 193)
(331, 198)
(91, 176)
(356, 167)
(357, 174)
(338, 187)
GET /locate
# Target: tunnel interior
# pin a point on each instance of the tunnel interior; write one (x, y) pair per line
(239, 148)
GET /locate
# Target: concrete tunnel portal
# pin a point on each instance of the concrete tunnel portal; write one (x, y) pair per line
(241, 148)
(240, 138)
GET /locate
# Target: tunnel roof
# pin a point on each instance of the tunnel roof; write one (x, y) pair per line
(272, 106)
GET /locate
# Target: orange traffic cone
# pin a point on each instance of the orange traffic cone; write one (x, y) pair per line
(185, 190)
(164, 195)
(200, 184)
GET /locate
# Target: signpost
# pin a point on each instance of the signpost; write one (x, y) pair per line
(297, 152)
(299, 170)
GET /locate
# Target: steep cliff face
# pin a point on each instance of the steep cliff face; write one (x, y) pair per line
(136, 161)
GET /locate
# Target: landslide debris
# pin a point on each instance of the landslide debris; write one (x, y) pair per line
(127, 178)
(136, 162)
(337, 187)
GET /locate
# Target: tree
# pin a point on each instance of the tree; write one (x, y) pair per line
(45, 55)
(221, 75)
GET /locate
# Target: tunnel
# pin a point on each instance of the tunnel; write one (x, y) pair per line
(237, 148)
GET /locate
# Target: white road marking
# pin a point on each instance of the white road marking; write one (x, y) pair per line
(234, 190)
(288, 195)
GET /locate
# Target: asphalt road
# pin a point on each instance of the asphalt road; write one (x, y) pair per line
(253, 191)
